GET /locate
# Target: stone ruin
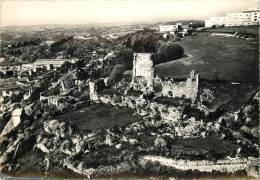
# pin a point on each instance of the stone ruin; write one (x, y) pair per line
(143, 69)
(188, 88)
(93, 91)
(144, 80)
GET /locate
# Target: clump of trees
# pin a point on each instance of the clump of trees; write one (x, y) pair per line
(65, 67)
(149, 43)
(168, 52)
(82, 49)
(60, 41)
(195, 25)
(145, 45)
(245, 34)
(28, 42)
(142, 42)
(217, 26)
(31, 53)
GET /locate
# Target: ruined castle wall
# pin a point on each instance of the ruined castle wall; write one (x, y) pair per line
(188, 88)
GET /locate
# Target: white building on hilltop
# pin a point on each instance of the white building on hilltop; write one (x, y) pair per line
(168, 28)
(245, 18)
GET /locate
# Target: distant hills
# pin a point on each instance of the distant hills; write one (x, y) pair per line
(184, 22)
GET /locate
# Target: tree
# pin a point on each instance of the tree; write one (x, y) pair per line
(189, 32)
(116, 74)
(65, 67)
(125, 57)
(168, 52)
(180, 28)
(145, 44)
(82, 74)
(142, 41)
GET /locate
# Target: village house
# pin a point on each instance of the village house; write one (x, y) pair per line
(52, 101)
(47, 64)
(9, 87)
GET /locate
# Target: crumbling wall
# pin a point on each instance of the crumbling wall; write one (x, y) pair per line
(143, 67)
(188, 88)
(141, 84)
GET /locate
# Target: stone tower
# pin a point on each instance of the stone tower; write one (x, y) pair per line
(93, 91)
(143, 67)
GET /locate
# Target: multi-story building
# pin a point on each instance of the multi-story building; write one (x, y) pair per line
(245, 18)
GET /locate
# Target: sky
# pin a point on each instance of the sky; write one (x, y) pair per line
(36, 12)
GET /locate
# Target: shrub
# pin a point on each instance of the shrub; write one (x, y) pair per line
(207, 97)
(160, 142)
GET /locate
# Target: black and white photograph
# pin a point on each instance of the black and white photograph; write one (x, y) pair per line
(129, 89)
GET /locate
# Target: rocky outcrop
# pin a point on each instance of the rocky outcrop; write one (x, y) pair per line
(16, 147)
(12, 123)
(253, 169)
(195, 128)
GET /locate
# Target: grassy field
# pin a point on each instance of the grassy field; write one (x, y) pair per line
(229, 96)
(226, 58)
(98, 116)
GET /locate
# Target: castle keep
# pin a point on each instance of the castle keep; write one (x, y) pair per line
(143, 69)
